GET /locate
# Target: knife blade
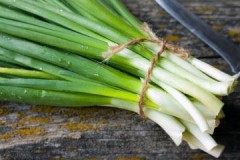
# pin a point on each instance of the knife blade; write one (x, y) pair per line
(229, 51)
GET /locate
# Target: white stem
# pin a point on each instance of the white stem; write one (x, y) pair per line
(209, 116)
(188, 106)
(186, 65)
(168, 123)
(171, 126)
(164, 100)
(207, 141)
(213, 123)
(202, 108)
(194, 143)
(189, 89)
(210, 70)
(217, 88)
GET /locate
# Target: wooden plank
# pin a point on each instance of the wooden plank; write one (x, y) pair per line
(43, 132)
(38, 132)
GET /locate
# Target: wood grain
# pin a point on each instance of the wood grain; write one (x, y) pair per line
(38, 132)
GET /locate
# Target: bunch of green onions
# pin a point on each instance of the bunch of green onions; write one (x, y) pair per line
(52, 53)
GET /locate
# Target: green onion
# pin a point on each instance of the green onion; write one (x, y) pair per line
(44, 97)
(26, 73)
(52, 53)
(101, 73)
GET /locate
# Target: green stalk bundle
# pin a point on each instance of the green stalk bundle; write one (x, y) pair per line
(52, 53)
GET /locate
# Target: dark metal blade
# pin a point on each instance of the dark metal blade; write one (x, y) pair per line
(225, 48)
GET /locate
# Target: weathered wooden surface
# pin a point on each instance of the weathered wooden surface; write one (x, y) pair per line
(31, 132)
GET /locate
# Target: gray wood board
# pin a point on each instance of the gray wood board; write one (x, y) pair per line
(38, 132)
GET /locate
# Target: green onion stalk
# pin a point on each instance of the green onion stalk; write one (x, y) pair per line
(55, 50)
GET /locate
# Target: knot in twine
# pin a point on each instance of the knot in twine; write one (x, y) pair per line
(178, 51)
